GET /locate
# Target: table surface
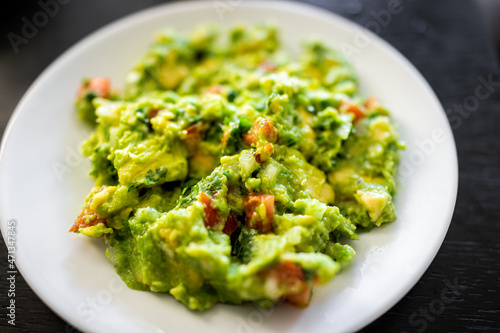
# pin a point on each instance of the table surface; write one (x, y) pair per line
(447, 42)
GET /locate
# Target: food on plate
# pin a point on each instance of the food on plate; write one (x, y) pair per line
(229, 172)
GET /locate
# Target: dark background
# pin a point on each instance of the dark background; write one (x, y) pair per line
(449, 42)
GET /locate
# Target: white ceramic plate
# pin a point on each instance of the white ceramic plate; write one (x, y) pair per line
(44, 181)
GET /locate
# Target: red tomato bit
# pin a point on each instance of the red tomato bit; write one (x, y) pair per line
(231, 224)
(262, 126)
(291, 276)
(215, 89)
(372, 103)
(358, 111)
(193, 135)
(254, 218)
(100, 86)
(268, 66)
(211, 215)
(87, 218)
(153, 113)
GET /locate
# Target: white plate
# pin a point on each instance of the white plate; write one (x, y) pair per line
(44, 181)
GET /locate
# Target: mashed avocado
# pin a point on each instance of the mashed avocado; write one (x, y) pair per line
(228, 172)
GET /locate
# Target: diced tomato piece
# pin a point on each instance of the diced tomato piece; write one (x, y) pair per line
(372, 103)
(268, 66)
(215, 89)
(100, 86)
(254, 217)
(302, 298)
(262, 126)
(192, 135)
(87, 218)
(250, 138)
(211, 215)
(153, 113)
(288, 273)
(291, 276)
(225, 138)
(358, 111)
(231, 224)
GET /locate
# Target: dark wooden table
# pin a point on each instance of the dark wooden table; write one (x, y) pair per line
(450, 45)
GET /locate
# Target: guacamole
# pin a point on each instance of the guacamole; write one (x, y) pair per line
(227, 171)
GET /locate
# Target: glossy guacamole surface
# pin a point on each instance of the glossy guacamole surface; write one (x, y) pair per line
(228, 171)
